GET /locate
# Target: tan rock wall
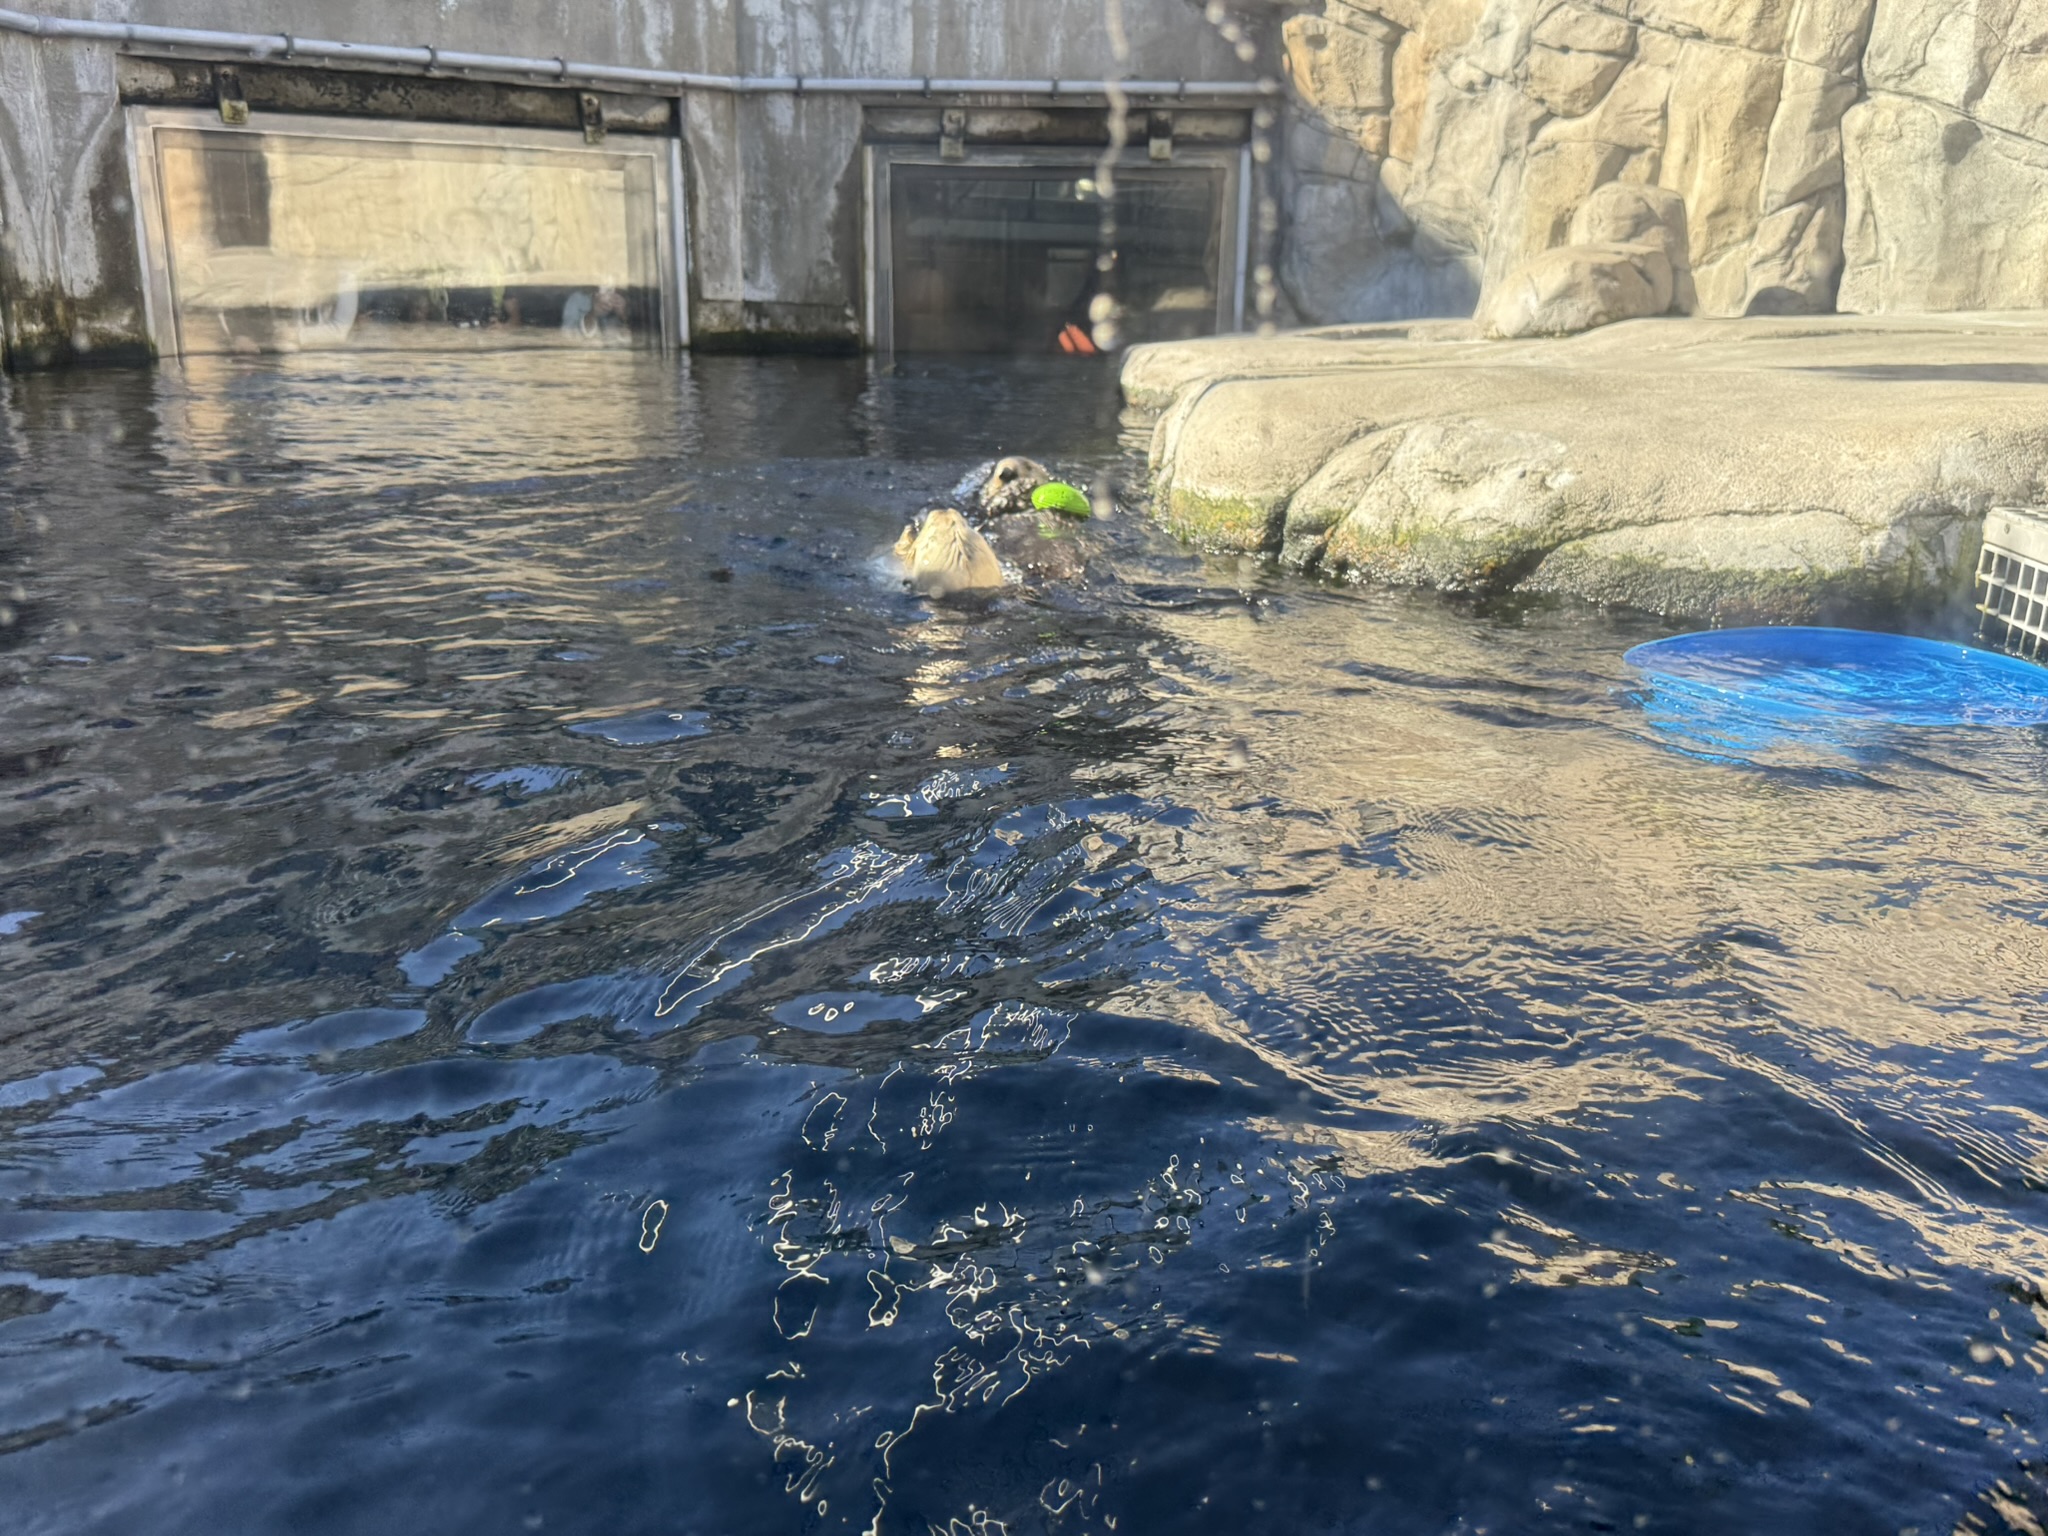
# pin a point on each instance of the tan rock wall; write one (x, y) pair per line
(1872, 155)
(1947, 159)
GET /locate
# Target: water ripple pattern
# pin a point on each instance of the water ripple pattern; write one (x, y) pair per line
(543, 995)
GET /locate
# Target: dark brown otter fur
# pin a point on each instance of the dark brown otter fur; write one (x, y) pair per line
(1010, 484)
(1041, 545)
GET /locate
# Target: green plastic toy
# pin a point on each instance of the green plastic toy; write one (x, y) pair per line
(1056, 497)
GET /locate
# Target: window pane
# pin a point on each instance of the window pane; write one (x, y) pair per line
(1005, 260)
(288, 242)
(237, 195)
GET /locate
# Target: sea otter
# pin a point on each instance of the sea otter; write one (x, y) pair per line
(1009, 486)
(1042, 543)
(943, 555)
(1043, 546)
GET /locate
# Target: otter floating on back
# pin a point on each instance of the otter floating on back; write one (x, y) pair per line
(942, 555)
(1027, 531)
(1010, 484)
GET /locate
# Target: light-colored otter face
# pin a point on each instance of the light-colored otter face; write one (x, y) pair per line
(1010, 484)
(944, 555)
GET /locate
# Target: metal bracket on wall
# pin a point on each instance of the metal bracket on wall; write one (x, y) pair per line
(1159, 134)
(592, 112)
(953, 134)
(227, 92)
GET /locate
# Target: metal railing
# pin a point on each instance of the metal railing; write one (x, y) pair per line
(283, 47)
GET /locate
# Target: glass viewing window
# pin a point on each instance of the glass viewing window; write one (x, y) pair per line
(352, 237)
(1005, 259)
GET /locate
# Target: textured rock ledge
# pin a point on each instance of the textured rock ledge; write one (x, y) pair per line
(1731, 469)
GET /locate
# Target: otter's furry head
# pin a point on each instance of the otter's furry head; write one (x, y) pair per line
(1010, 484)
(942, 555)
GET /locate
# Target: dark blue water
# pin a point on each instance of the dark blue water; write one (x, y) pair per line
(542, 994)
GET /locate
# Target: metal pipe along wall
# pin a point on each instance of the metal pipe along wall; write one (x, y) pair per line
(284, 47)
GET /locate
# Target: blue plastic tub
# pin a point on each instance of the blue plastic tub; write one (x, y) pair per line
(1808, 675)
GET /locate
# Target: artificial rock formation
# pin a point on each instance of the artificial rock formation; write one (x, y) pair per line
(1776, 469)
(1626, 260)
(1871, 155)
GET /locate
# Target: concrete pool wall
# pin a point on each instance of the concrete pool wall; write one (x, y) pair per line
(774, 181)
(1550, 164)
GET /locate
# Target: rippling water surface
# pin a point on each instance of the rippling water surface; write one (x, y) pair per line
(540, 994)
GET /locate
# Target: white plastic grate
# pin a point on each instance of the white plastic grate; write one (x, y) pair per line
(2012, 582)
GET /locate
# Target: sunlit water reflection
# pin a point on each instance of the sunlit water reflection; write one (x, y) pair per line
(541, 995)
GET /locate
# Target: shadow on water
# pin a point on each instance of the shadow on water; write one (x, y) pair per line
(544, 990)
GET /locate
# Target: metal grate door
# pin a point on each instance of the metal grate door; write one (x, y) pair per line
(2012, 580)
